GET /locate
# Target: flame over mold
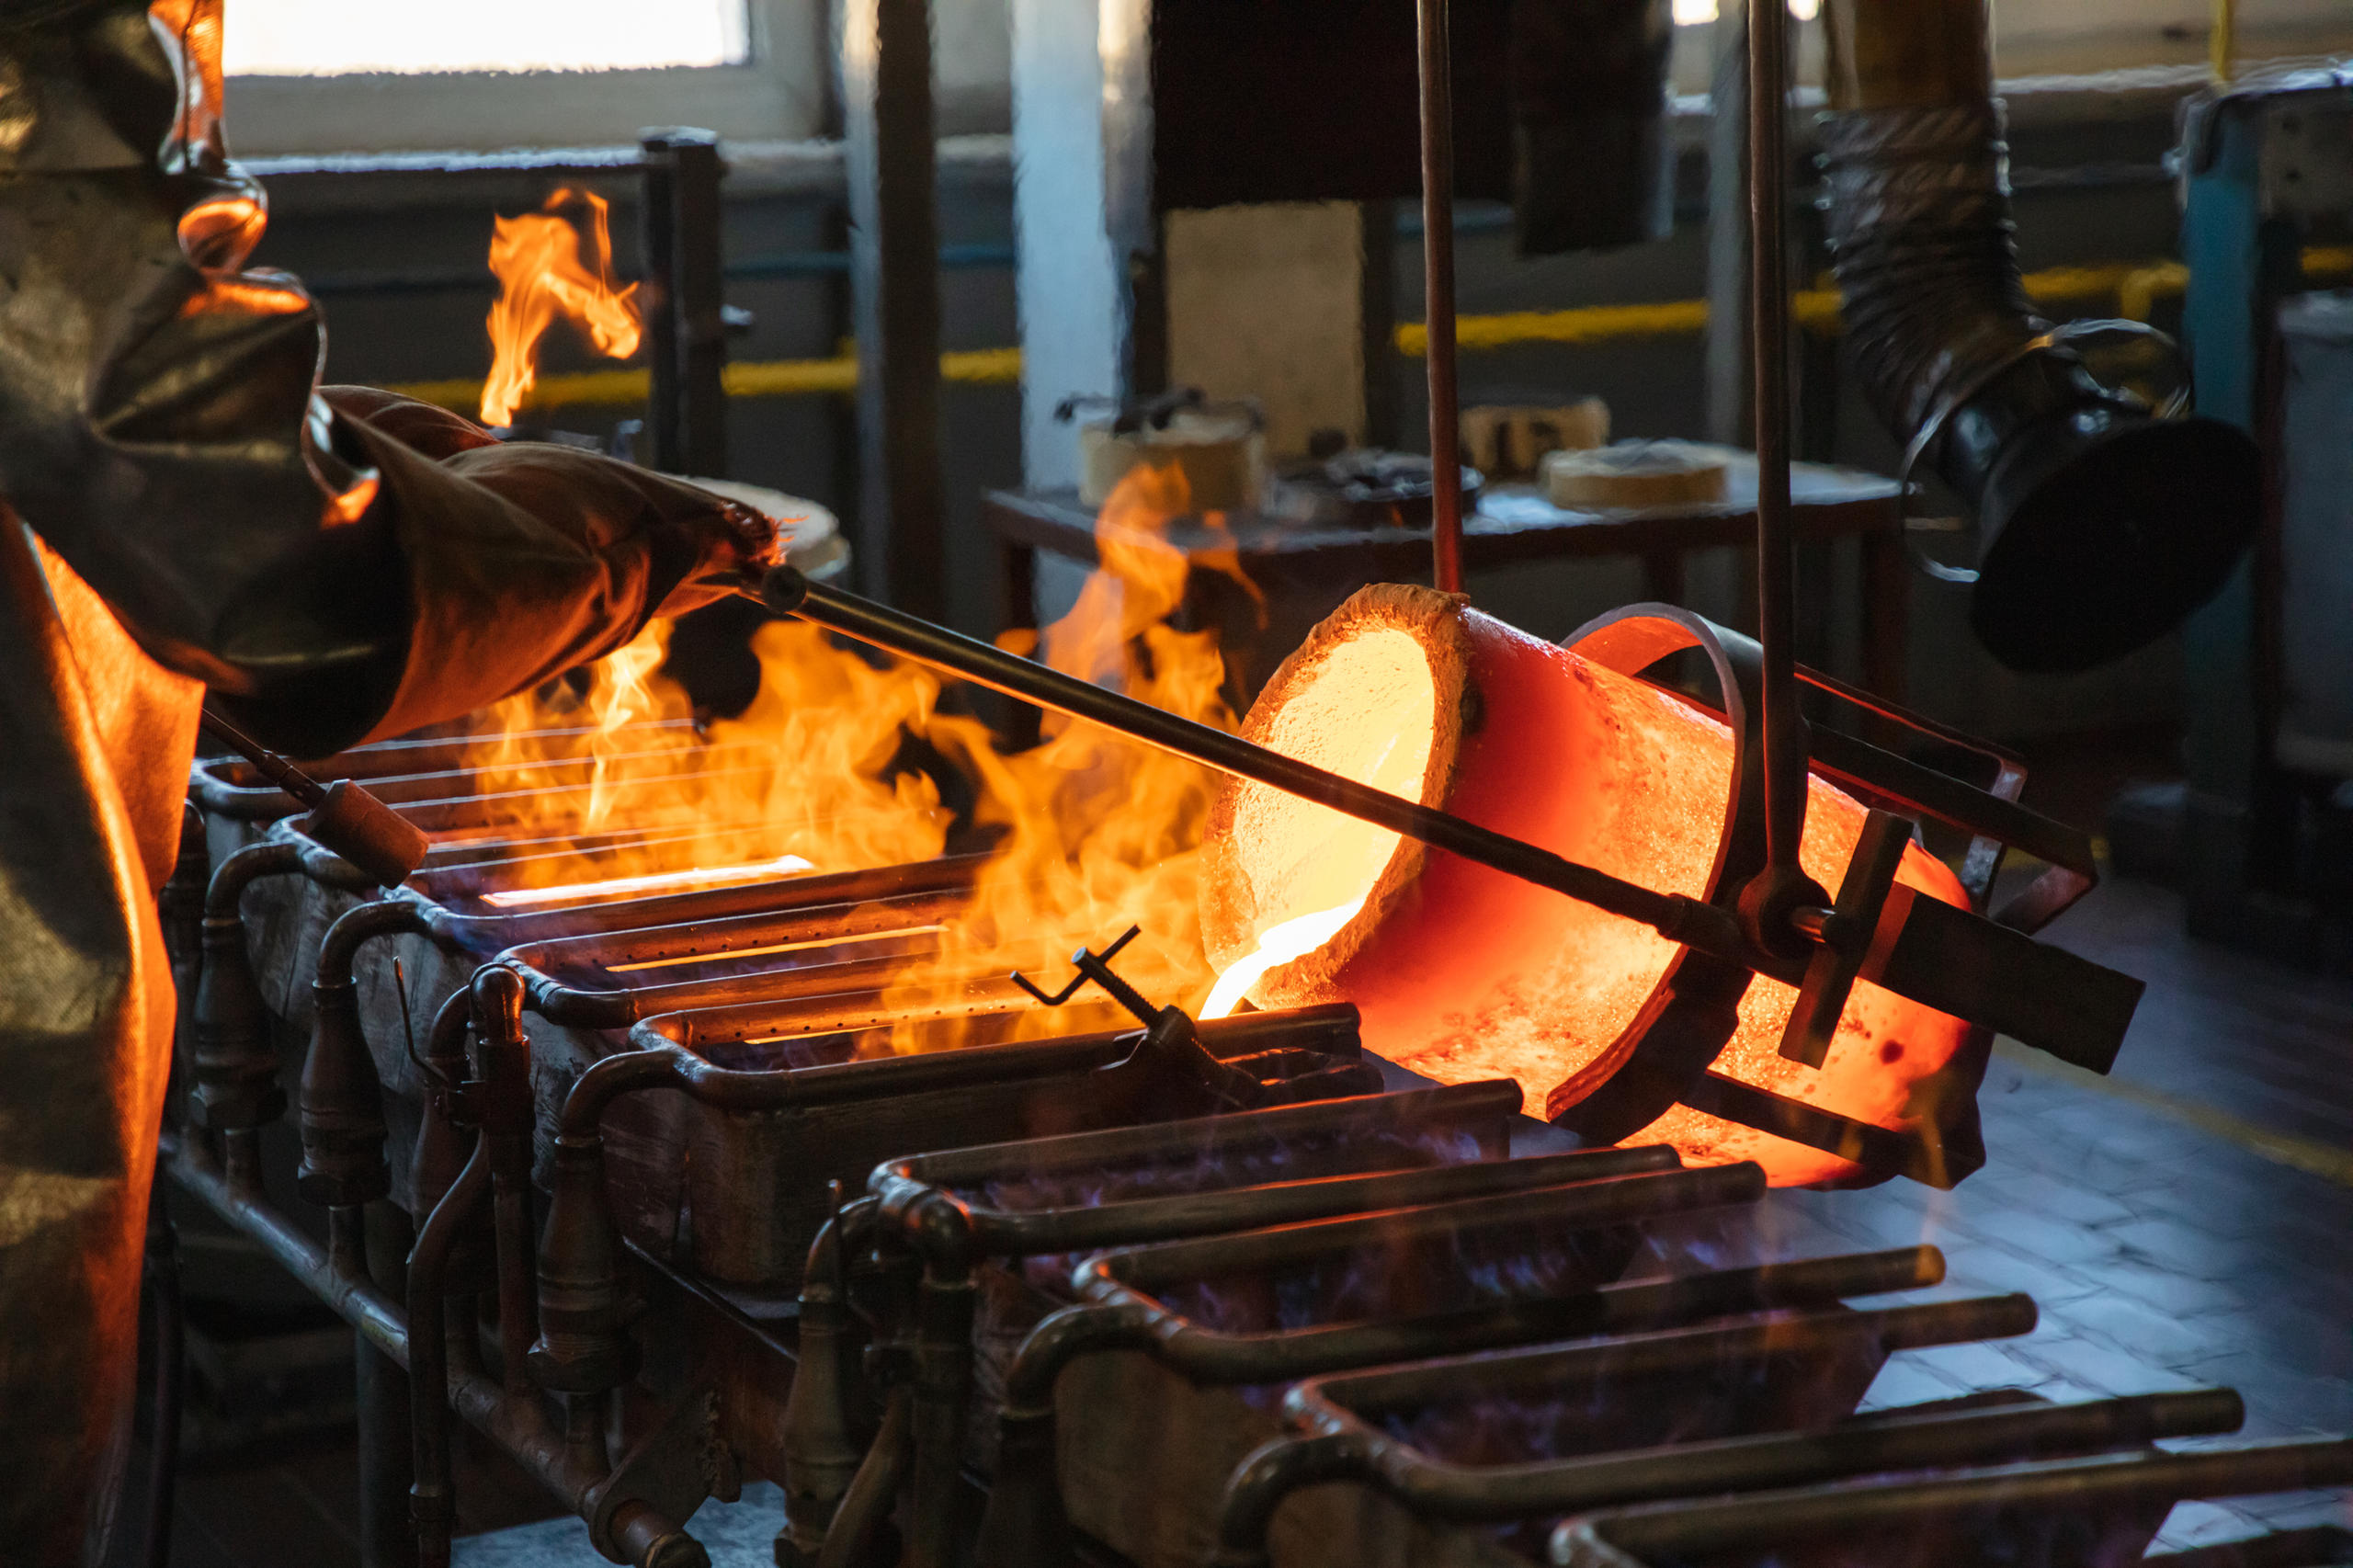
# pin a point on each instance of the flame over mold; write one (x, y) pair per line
(542, 276)
(1092, 832)
(1101, 832)
(1462, 973)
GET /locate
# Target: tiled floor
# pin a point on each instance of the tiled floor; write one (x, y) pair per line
(2189, 1222)
(2170, 1222)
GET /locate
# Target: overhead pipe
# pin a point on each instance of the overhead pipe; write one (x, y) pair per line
(2101, 524)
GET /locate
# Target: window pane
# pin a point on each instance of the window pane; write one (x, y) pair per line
(1693, 13)
(332, 38)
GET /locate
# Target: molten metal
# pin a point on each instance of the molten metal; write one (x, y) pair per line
(656, 882)
(1465, 973)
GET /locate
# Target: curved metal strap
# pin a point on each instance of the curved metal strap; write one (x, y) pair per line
(2174, 407)
(1691, 1013)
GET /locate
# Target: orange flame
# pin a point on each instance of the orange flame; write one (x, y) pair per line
(1101, 832)
(541, 276)
(1094, 832)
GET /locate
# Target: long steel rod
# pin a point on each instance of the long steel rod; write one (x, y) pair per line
(1785, 742)
(379, 1320)
(1678, 918)
(1436, 58)
(265, 762)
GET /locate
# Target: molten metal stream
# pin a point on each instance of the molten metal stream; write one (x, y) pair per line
(1463, 975)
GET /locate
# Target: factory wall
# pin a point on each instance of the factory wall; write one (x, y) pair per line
(397, 263)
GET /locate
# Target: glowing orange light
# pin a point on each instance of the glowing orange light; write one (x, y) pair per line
(542, 276)
(1463, 974)
(1093, 833)
(1279, 944)
(770, 951)
(656, 882)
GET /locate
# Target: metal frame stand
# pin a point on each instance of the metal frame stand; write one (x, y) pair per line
(2244, 222)
(888, 126)
(686, 320)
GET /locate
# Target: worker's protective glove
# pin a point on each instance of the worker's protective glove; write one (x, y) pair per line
(161, 428)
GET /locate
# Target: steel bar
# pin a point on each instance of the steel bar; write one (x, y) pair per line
(380, 1322)
(1434, 57)
(1659, 1532)
(1344, 1446)
(890, 157)
(658, 246)
(697, 301)
(306, 791)
(169, 1309)
(1786, 750)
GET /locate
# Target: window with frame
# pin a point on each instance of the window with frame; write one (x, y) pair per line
(341, 38)
(357, 76)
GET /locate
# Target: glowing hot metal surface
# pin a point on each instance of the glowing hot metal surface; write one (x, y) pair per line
(1277, 945)
(657, 881)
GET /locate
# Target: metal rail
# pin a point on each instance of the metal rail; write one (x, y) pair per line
(2136, 285)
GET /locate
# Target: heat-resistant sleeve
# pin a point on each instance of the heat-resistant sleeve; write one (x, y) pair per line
(332, 566)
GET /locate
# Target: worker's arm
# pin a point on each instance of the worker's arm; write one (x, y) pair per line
(333, 567)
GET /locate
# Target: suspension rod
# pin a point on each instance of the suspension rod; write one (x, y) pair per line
(1768, 312)
(1435, 59)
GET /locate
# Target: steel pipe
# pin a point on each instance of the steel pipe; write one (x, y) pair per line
(1342, 1448)
(355, 1298)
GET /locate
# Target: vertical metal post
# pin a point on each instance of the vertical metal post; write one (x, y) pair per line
(386, 1539)
(894, 290)
(1378, 315)
(162, 1282)
(386, 1456)
(685, 302)
(2241, 812)
(657, 300)
(1768, 306)
(1729, 414)
(1435, 58)
(701, 303)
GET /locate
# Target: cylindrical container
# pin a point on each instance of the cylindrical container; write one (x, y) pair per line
(1463, 972)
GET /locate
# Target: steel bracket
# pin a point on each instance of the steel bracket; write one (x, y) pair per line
(671, 1471)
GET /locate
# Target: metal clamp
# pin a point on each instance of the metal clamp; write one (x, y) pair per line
(1096, 967)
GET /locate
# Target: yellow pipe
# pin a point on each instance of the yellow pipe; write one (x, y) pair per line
(2135, 286)
(2221, 40)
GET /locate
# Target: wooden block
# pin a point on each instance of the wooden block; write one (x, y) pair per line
(1222, 456)
(1636, 474)
(1511, 440)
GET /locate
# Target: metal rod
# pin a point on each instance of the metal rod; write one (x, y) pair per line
(1678, 918)
(1435, 58)
(369, 1310)
(266, 762)
(1785, 742)
(162, 1271)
